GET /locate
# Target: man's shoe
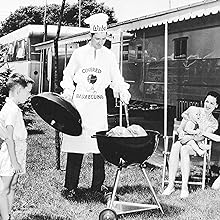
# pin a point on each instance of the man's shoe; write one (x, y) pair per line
(69, 194)
(102, 189)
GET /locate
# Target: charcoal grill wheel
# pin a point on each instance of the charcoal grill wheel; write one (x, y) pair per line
(108, 214)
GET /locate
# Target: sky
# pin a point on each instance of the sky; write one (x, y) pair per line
(124, 9)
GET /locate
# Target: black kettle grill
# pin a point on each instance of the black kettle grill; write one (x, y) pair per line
(122, 152)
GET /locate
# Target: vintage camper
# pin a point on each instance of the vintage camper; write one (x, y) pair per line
(18, 54)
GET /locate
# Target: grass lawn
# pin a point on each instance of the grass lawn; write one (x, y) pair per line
(38, 195)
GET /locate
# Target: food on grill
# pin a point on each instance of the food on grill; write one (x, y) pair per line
(119, 131)
(131, 131)
(136, 130)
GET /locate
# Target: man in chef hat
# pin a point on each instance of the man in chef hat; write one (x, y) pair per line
(91, 69)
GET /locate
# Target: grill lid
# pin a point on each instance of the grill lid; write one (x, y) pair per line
(57, 112)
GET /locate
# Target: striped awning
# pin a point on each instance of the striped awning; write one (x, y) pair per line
(75, 38)
(199, 9)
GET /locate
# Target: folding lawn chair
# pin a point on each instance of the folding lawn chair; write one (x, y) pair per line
(170, 140)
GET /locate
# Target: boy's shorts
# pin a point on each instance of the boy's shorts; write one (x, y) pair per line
(6, 168)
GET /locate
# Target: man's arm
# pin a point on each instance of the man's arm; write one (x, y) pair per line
(68, 74)
(118, 84)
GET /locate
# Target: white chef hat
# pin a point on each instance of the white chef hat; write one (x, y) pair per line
(97, 22)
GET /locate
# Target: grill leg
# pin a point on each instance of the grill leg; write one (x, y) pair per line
(152, 189)
(110, 204)
(122, 207)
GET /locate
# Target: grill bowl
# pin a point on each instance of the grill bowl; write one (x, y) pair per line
(130, 149)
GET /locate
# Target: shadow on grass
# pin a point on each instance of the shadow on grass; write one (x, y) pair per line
(131, 189)
(87, 195)
(35, 131)
(155, 213)
(43, 217)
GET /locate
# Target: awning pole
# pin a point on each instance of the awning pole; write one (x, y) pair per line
(65, 57)
(121, 69)
(40, 87)
(165, 78)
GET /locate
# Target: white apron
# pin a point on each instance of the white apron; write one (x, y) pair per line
(90, 101)
(92, 74)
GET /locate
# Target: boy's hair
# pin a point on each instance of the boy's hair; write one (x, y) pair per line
(15, 79)
(214, 94)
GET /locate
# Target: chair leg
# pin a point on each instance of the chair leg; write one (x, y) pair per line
(204, 170)
(165, 162)
(164, 171)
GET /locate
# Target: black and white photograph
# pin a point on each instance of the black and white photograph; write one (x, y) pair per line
(109, 110)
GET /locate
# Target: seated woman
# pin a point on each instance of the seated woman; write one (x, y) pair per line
(183, 150)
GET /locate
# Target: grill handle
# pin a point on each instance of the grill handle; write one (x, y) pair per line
(126, 114)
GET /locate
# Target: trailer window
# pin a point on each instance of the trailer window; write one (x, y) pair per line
(139, 52)
(11, 51)
(125, 51)
(20, 50)
(15, 51)
(180, 47)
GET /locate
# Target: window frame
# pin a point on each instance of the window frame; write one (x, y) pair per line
(125, 53)
(139, 52)
(180, 47)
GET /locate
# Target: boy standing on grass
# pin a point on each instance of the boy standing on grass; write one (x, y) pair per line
(14, 134)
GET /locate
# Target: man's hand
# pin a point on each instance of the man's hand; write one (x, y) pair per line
(67, 94)
(125, 96)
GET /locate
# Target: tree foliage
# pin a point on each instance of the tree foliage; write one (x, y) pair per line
(35, 15)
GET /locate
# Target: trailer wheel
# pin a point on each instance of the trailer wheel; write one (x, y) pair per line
(108, 214)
